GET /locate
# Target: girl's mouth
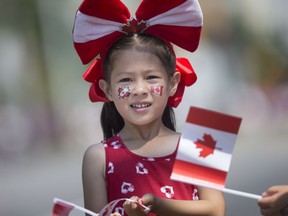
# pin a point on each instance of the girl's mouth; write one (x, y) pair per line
(140, 106)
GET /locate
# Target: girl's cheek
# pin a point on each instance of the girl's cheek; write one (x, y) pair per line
(124, 92)
(157, 90)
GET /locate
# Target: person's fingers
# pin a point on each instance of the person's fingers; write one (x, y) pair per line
(268, 211)
(131, 203)
(115, 214)
(147, 199)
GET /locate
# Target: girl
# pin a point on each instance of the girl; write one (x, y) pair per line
(135, 160)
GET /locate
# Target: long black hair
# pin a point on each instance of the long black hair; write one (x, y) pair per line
(111, 121)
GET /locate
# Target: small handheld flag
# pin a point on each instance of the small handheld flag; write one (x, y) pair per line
(205, 150)
(63, 208)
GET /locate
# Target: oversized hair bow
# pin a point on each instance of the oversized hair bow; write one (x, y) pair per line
(100, 23)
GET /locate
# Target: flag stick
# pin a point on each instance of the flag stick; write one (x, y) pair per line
(231, 191)
(215, 187)
(240, 193)
(55, 200)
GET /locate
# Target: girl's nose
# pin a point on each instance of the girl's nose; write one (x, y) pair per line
(140, 88)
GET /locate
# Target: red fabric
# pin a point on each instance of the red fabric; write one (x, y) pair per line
(182, 36)
(148, 8)
(89, 50)
(215, 120)
(93, 74)
(128, 174)
(113, 10)
(186, 37)
(188, 78)
(215, 177)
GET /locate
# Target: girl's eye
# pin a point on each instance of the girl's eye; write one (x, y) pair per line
(152, 77)
(125, 80)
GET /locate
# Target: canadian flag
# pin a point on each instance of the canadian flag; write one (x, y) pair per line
(63, 208)
(205, 148)
(157, 90)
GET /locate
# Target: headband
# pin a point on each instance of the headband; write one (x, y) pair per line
(100, 23)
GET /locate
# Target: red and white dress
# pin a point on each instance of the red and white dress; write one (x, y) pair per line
(128, 174)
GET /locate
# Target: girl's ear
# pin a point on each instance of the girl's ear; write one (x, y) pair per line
(104, 86)
(174, 83)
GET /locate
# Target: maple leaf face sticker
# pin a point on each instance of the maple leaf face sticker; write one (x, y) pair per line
(123, 92)
(157, 90)
(207, 144)
(168, 191)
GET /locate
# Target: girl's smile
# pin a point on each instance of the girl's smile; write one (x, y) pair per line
(140, 107)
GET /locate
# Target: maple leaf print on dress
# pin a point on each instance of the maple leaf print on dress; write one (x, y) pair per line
(168, 191)
(127, 187)
(111, 168)
(119, 210)
(140, 169)
(195, 194)
(115, 144)
(207, 144)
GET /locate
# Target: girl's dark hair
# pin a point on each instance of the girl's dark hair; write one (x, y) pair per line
(111, 121)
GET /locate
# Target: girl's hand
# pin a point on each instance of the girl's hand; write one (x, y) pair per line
(134, 207)
(115, 214)
(148, 200)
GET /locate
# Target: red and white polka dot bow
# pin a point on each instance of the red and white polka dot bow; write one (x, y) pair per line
(100, 23)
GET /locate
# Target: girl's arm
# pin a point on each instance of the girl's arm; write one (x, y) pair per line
(93, 178)
(211, 204)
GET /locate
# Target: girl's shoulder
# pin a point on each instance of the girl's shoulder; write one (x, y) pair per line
(94, 154)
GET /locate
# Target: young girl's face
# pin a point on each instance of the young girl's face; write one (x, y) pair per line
(139, 86)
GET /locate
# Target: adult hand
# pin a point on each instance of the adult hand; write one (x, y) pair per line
(274, 201)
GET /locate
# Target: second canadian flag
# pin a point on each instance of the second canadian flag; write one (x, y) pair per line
(205, 148)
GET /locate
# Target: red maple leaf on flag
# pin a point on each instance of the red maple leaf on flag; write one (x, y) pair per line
(207, 144)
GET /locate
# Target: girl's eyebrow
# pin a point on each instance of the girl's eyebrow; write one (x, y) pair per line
(123, 74)
(131, 73)
(145, 71)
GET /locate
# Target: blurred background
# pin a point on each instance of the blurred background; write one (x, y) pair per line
(47, 120)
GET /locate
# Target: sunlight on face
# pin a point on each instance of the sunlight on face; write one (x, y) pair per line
(139, 86)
